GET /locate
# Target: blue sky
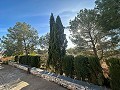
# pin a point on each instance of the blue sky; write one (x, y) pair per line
(37, 13)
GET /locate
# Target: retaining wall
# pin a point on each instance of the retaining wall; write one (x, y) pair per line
(67, 82)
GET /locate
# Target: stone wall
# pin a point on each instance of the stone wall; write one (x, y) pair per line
(58, 79)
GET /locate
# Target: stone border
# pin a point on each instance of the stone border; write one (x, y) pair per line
(47, 76)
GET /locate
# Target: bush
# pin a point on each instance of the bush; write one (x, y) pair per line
(67, 65)
(23, 60)
(20, 60)
(16, 58)
(88, 69)
(81, 67)
(114, 67)
(33, 61)
(5, 62)
(95, 70)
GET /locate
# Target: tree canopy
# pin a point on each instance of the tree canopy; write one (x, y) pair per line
(21, 39)
(44, 41)
(109, 20)
(86, 34)
(109, 14)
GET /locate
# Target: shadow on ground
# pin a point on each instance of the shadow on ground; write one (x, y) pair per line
(12, 78)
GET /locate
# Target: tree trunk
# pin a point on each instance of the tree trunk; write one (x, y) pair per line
(26, 51)
(94, 48)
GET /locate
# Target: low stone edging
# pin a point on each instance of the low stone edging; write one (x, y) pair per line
(69, 85)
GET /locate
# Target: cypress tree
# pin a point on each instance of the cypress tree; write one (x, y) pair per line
(51, 40)
(56, 48)
(57, 44)
(62, 43)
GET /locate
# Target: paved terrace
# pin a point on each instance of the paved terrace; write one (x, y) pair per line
(15, 79)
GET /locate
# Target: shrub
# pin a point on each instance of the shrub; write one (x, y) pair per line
(68, 66)
(81, 67)
(21, 60)
(88, 69)
(33, 61)
(5, 62)
(95, 70)
(114, 67)
(16, 58)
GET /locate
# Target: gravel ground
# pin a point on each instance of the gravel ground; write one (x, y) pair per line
(15, 79)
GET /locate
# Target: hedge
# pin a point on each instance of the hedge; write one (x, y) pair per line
(95, 70)
(32, 61)
(114, 67)
(68, 66)
(16, 58)
(81, 68)
(88, 69)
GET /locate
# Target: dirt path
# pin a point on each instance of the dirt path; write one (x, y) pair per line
(15, 79)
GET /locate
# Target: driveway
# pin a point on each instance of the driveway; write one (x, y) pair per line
(12, 78)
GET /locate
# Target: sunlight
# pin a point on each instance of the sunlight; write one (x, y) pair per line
(20, 85)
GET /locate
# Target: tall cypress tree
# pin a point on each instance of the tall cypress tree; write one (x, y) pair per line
(62, 42)
(51, 40)
(57, 44)
(56, 48)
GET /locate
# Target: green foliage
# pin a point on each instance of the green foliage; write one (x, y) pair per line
(88, 69)
(72, 51)
(61, 36)
(16, 58)
(85, 32)
(114, 67)
(5, 62)
(56, 52)
(51, 41)
(43, 57)
(109, 14)
(9, 46)
(57, 44)
(33, 61)
(109, 19)
(21, 38)
(68, 65)
(23, 60)
(81, 68)
(95, 70)
(44, 41)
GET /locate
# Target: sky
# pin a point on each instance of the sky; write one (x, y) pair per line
(37, 13)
